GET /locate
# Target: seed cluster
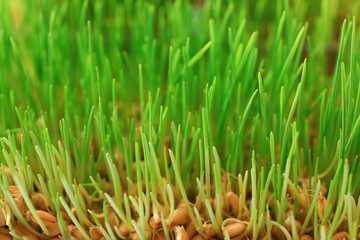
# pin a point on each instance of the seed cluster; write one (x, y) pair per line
(184, 119)
(236, 212)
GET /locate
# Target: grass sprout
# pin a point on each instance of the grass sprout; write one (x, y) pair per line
(179, 120)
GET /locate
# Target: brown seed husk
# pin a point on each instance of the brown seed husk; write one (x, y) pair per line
(19, 201)
(124, 230)
(96, 234)
(234, 229)
(268, 196)
(275, 231)
(2, 219)
(190, 229)
(14, 190)
(2, 216)
(159, 235)
(66, 217)
(99, 216)
(225, 180)
(321, 201)
(323, 189)
(222, 205)
(341, 236)
(5, 234)
(74, 232)
(298, 225)
(197, 237)
(47, 218)
(135, 236)
(73, 210)
(23, 232)
(266, 238)
(180, 233)
(345, 225)
(181, 204)
(155, 223)
(306, 237)
(113, 218)
(180, 217)
(166, 190)
(54, 229)
(40, 202)
(7, 172)
(302, 214)
(302, 199)
(209, 230)
(234, 201)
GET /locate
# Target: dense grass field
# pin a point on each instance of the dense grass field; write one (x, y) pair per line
(179, 119)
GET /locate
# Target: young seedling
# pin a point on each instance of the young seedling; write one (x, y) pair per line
(179, 120)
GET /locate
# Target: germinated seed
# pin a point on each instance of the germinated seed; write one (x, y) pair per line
(181, 204)
(23, 232)
(19, 201)
(135, 236)
(74, 232)
(2, 216)
(190, 229)
(180, 233)
(112, 217)
(268, 197)
(155, 222)
(234, 201)
(40, 201)
(5, 234)
(298, 225)
(2, 219)
(45, 217)
(306, 237)
(100, 217)
(159, 235)
(197, 237)
(302, 198)
(124, 230)
(14, 190)
(8, 172)
(234, 229)
(341, 236)
(209, 230)
(323, 190)
(96, 234)
(54, 229)
(180, 217)
(321, 201)
(65, 217)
